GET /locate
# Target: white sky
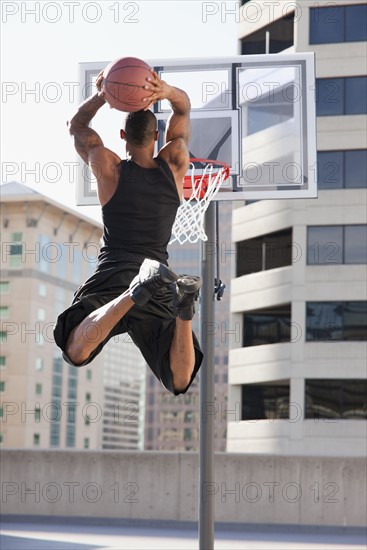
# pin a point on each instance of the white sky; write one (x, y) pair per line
(40, 70)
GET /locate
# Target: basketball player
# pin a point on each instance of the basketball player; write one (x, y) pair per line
(133, 290)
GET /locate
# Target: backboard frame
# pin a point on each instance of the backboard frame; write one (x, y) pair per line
(230, 112)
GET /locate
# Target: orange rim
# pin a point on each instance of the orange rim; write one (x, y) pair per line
(203, 180)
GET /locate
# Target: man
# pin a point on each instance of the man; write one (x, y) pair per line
(133, 290)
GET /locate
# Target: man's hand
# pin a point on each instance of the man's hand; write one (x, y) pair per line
(99, 83)
(158, 88)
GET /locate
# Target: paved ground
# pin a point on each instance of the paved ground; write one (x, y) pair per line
(28, 536)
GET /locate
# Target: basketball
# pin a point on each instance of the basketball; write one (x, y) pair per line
(123, 84)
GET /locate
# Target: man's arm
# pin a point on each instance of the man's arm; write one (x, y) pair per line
(175, 151)
(85, 138)
(89, 145)
(178, 125)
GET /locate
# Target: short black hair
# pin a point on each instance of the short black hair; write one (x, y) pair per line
(140, 127)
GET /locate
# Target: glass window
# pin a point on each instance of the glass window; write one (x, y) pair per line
(327, 25)
(39, 363)
(4, 312)
(3, 336)
(336, 399)
(324, 321)
(325, 245)
(281, 37)
(336, 321)
(57, 365)
(37, 414)
(40, 340)
(36, 439)
(4, 287)
(2, 386)
(355, 321)
(44, 263)
(329, 96)
(86, 443)
(356, 95)
(265, 252)
(89, 374)
(267, 326)
(355, 23)
(15, 254)
(338, 169)
(336, 245)
(42, 290)
(249, 256)
(63, 261)
(187, 434)
(278, 249)
(333, 24)
(2, 361)
(38, 389)
(55, 434)
(16, 237)
(355, 244)
(330, 169)
(70, 435)
(262, 401)
(356, 168)
(77, 266)
(41, 314)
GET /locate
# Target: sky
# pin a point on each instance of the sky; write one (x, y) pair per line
(42, 44)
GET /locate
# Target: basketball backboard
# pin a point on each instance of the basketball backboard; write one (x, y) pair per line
(256, 113)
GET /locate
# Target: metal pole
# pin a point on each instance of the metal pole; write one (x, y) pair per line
(206, 455)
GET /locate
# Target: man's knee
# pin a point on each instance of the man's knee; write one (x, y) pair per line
(76, 354)
(180, 383)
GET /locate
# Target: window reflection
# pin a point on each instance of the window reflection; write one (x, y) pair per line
(267, 326)
(336, 321)
(336, 399)
(265, 401)
(333, 24)
(333, 244)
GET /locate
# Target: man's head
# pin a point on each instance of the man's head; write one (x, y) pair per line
(140, 128)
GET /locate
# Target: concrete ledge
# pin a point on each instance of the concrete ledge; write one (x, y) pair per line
(156, 486)
(184, 525)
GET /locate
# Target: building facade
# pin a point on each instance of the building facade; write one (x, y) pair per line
(298, 377)
(48, 250)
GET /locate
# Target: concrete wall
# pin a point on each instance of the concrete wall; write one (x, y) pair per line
(164, 486)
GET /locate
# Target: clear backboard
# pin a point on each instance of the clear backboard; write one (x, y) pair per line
(256, 113)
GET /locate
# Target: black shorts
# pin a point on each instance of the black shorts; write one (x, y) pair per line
(150, 327)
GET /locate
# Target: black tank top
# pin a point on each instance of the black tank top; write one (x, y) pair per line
(139, 216)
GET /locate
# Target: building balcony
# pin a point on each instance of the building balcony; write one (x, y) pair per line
(296, 436)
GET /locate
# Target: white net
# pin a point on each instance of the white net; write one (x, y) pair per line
(189, 222)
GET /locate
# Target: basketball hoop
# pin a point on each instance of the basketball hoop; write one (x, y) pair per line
(198, 191)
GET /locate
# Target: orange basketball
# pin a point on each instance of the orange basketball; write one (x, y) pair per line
(123, 84)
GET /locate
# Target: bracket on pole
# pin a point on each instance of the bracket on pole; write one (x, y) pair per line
(219, 288)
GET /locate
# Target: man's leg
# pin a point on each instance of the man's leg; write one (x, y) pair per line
(85, 337)
(182, 351)
(182, 355)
